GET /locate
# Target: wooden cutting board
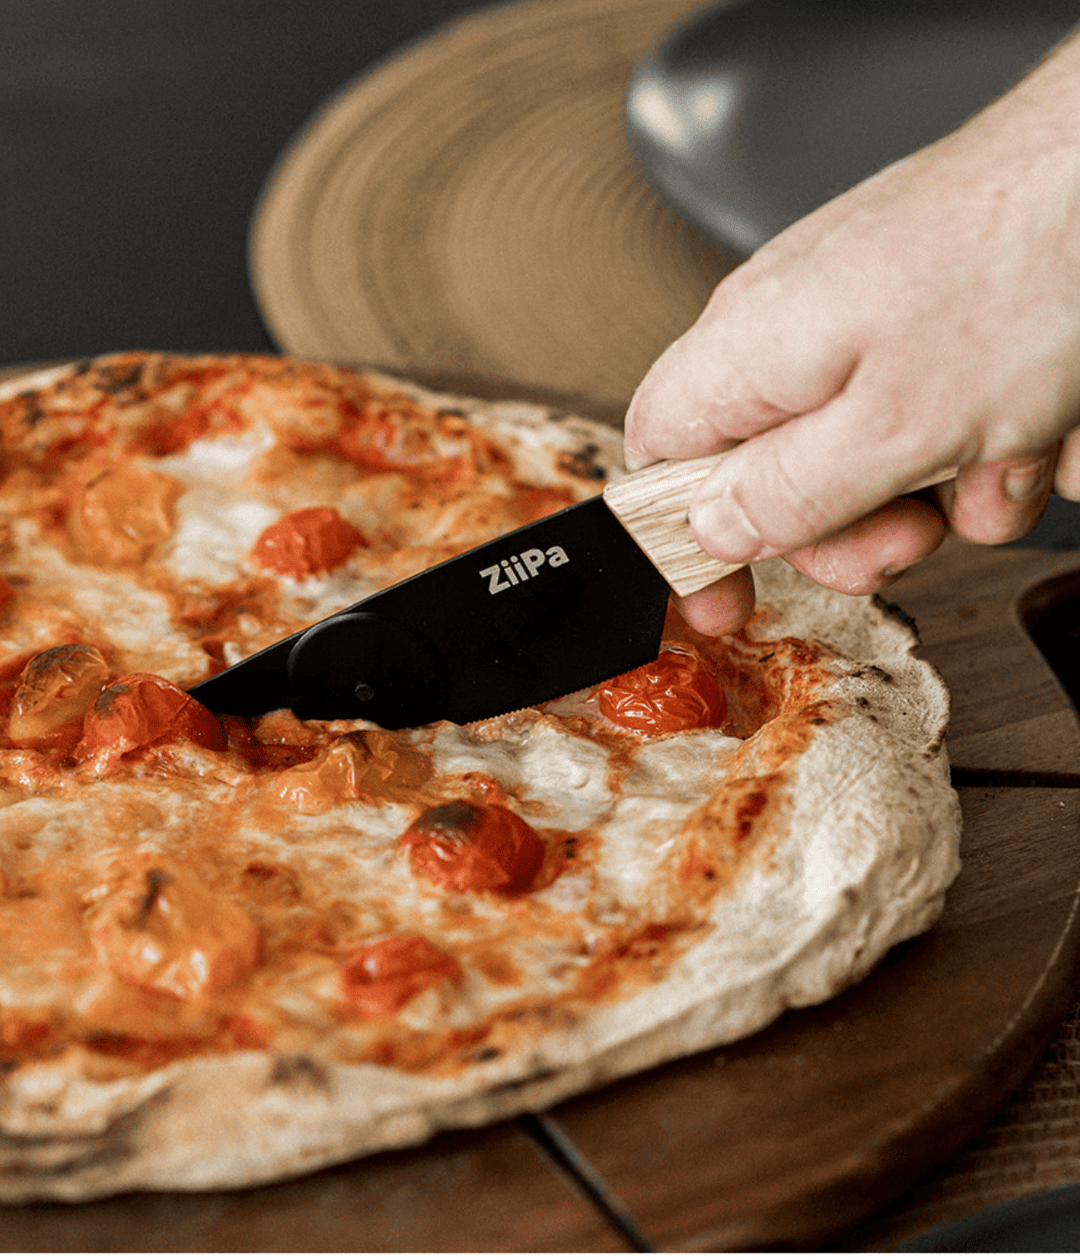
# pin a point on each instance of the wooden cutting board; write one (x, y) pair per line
(790, 1136)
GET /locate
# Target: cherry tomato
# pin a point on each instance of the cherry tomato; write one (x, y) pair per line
(388, 441)
(676, 692)
(164, 929)
(474, 848)
(312, 540)
(144, 709)
(123, 514)
(56, 689)
(382, 975)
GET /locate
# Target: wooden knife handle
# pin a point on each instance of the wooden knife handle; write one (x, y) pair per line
(654, 508)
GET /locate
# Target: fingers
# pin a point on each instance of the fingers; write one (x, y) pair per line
(751, 361)
(722, 608)
(875, 551)
(1000, 502)
(797, 485)
(859, 560)
(1067, 472)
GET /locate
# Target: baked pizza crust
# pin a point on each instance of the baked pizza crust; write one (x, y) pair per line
(858, 847)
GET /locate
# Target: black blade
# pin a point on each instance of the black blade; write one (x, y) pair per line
(558, 605)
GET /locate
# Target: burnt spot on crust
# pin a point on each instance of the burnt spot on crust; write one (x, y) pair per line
(484, 1055)
(117, 378)
(33, 412)
(298, 1072)
(873, 671)
(583, 463)
(155, 881)
(522, 1082)
(895, 612)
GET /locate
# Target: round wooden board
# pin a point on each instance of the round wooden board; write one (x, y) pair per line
(469, 214)
(807, 1128)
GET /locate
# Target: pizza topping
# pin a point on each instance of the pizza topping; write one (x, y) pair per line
(304, 543)
(465, 847)
(57, 687)
(123, 513)
(367, 765)
(332, 778)
(382, 975)
(410, 438)
(141, 710)
(676, 692)
(165, 930)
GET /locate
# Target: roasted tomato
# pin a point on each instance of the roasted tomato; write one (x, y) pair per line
(411, 440)
(312, 540)
(123, 514)
(165, 930)
(382, 975)
(676, 692)
(141, 710)
(474, 848)
(57, 687)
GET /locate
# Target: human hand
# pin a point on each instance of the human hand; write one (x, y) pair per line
(928, 318)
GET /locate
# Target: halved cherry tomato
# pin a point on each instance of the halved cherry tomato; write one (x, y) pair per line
(474, 848)
(56, 689)
(389, 441)
(312, 540)
(382, 975)
(676, 692)
(123, 514)
(143, 709)
(164, 929)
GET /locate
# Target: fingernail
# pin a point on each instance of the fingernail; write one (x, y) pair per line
(1021, 483)
(722, 530)
(894, 570)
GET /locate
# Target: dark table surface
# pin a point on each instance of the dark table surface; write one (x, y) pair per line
(134, 138)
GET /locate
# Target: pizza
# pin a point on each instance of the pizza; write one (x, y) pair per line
(241, 948)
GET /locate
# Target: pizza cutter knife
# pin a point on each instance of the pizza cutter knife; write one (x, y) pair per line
(564, 603)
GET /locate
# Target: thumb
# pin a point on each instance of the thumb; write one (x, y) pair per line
(758, 354)
(796, 484)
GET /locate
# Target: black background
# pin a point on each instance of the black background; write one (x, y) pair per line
(135, 136)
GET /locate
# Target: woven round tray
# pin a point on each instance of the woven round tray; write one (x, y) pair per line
(469, 214)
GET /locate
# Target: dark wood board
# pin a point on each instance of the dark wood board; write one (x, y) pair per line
(792, 1135)
(491, 1190)
(812, 1124)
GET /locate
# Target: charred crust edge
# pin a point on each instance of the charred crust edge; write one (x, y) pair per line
(895, 613)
